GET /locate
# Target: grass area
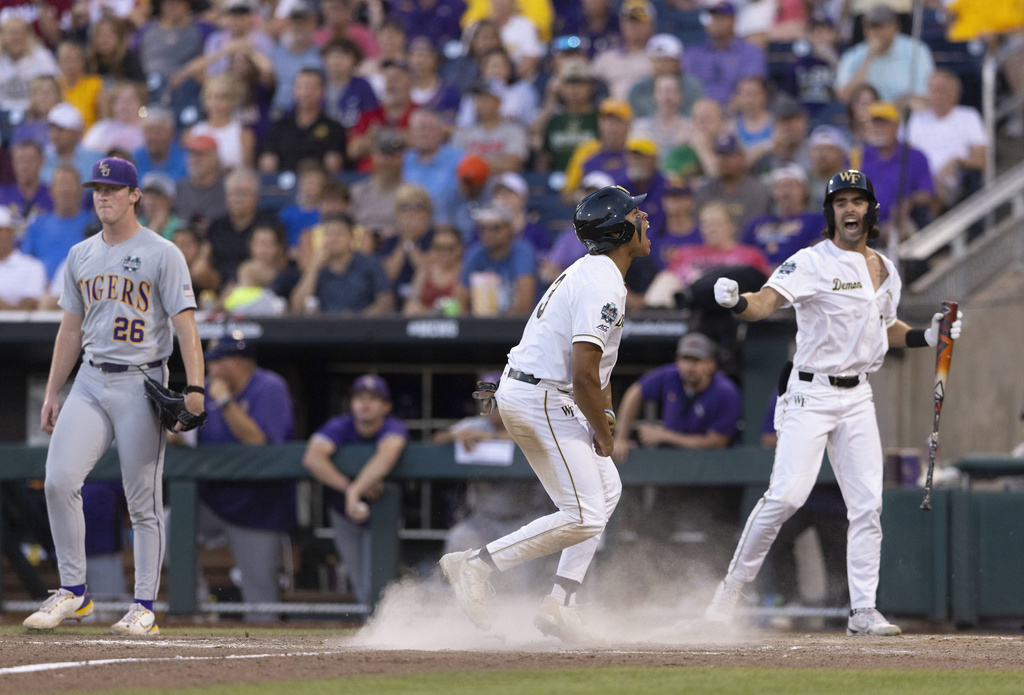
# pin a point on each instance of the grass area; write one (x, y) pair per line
(70, 629)
(649, 681)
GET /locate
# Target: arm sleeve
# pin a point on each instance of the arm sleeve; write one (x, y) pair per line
(332, 430)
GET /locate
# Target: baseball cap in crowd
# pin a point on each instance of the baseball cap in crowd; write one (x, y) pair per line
(664, 46)
(880, 14)
(696, 345)
(638, 9)
(789, 171)
(723, 8)
(115, 171)
(372, 383)
(513, 182)
(160, 182)
(233, 344)
(727, 143)
(240, 6)
(485, 88)
(473, 169)
(829, 135)
(421, 43)
(884, 110)
(677, 186)
(388, 142)
(66, 116)
(642, 146)
(569, 42)
(597, 180)
(302, 8)
(616, 107)
(201, 143)
(575, 71)
(492, 212)
(786, 106)
(6, 218)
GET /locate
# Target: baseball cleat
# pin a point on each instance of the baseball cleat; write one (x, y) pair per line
(469, 580)
(869, 622)
(139, 621)
(62, 605)
(723, 605)
(564, 622)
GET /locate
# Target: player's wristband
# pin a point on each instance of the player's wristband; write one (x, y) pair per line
(194, 389)
(915, 338)
(740, 306)
(612, 413)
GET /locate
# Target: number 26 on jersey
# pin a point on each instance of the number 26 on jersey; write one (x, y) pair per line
(133, 331)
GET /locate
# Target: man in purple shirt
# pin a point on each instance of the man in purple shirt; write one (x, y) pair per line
(27, 197)
(247, 405)
(438, 20)
(724, 60)
(370, 422)
(790, 227)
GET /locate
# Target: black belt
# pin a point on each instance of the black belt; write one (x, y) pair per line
(840, 382)
(111, 368)
(523, 376)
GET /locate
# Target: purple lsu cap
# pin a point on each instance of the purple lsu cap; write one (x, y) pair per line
(372, 383)
(115, 171)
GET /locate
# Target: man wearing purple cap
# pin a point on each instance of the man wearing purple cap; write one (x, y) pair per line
(370, 422)
(725, 59)
(123, 288)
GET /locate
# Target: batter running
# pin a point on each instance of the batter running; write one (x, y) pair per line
(845, 296)
(555, 400)
(120, 288)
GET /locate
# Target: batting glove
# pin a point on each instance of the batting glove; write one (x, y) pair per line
(727, 292)
(931, 335)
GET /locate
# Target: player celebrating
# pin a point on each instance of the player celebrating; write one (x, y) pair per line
(845, 296)
(120, 288)
(555, 400)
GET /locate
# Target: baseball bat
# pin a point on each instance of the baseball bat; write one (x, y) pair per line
(943, 355)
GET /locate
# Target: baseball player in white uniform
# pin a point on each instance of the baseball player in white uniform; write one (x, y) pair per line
(120, 288)
(845, 296)
(555, 400)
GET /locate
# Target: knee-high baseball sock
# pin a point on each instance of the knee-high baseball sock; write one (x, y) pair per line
(564, 590)
(77, 589)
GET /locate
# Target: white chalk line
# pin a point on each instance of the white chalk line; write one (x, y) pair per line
(55, 666)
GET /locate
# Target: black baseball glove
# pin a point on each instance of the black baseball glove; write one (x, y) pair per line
(169, 407)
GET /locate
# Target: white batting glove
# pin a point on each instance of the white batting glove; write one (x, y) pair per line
(931, 335)
(727, 292)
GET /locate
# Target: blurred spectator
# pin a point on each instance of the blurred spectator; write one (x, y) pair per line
(858, 115)
(810, 77)
(789, 138)
(593, 22)
(161, 152)
(511, 191)
(644, 177)
(28, 196)
(296, 53)
(1018, 451)
(435, 284)
(238, 34)
(882, 162)
(790, 227)
(169, 41)
(305, 211)
(236, 145)
(499, 275)
(428, 90)
(744, 196)
(391, 39)
(665, 127)
(158, 194)
(45, 19)
(883, 60)
(567, 248)
(109, 54)
(336, 199)
(250, 294)
(500, 142)
(680, 227)
(338, 24)
(724, 59)
(828, 149)
(437, 20)
(607, 153)
(472, 192)
(248, 405)
(374, 197)
(753, 123)
(403, 253)
(623, 65)
(479, 38)
(338, 279)
(697, 157)
(394, 113)
(201, 196)
(228, 237)
(65, 145)
(519, 99)
(347, 97)
(51, 235)
(520, 35)
(429, 162)
(568, 118)
(22, 58)
(666, 54)
(43, 94)
(306, 132)
(82, 90)
(369, 422)
(22, 277)
(123, 127)
(952, 137)
(205, 280)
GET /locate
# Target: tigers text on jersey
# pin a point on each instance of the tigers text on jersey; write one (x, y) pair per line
(127, 293)
(841, 319)
(586, 303)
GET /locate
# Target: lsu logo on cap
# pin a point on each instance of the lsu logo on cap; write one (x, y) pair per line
(104, 168)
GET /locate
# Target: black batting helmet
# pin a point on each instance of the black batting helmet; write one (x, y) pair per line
(600, 220)
(851, 178)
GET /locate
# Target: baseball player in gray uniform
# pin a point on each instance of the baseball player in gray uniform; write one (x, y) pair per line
(555, 400)
(845, 295)
(123, 289)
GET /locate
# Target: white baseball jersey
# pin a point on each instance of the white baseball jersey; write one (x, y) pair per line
(585, 304)
(842, 320)
(127, 293)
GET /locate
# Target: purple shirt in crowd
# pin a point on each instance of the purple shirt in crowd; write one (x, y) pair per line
(715, 409)
(611, 163)
(885, 175)
(779, 238)
(719, 70)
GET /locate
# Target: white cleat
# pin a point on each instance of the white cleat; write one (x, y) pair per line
(868, 621)
(470, 584)
(723, 605)
(564, 622)
(62, 605)
(139, 621)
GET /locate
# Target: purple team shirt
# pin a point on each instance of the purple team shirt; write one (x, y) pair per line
(719, 70)
(715, 409)
(779, 238)
(342, 430)
(885, 175)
